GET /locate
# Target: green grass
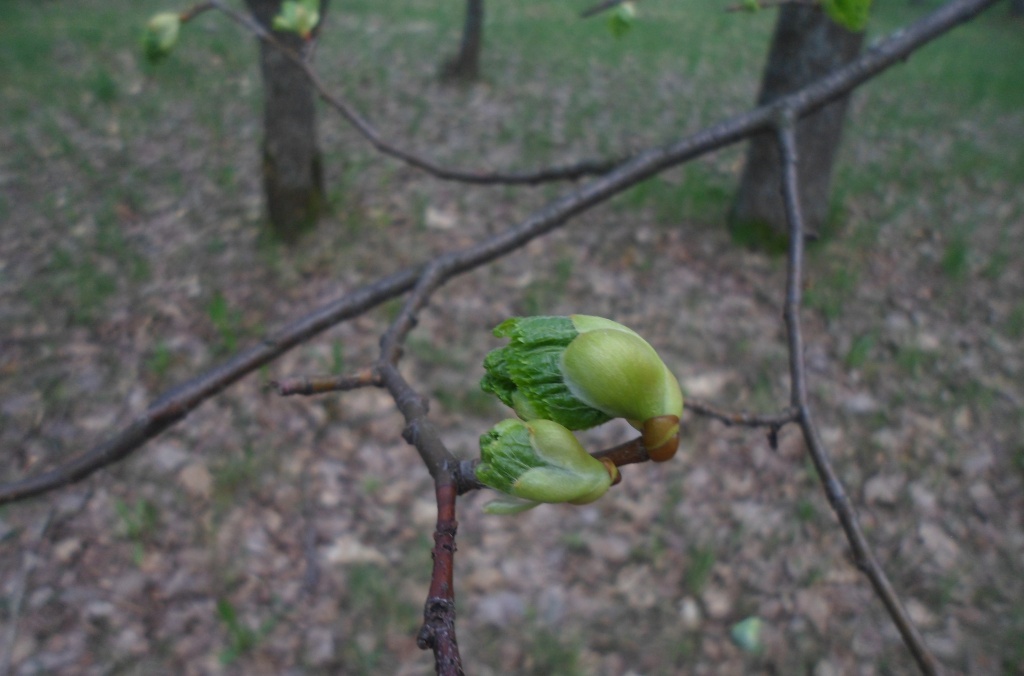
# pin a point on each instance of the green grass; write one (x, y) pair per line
(138, 523)
(861, 350)
(372, 597)
(241, 638)
(227, 323)
(698, 571)
(831, 292)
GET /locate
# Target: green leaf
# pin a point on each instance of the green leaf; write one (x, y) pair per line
(851, 14)
(526, 374)
(621, 20)
(539, 461)
(298, 16)
(160, 36)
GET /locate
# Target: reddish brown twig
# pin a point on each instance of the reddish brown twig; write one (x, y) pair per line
(438, 630)
(628, 453)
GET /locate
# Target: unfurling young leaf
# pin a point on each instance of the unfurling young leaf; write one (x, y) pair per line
(581, 371)
(160, 36)
(298, 16)
(539, 461)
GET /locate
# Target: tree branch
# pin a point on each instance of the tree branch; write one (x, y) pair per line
(863, 554)
(570, 172)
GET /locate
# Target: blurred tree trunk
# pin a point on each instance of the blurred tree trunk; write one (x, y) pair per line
(292, 172)
(806, 45)
(1017, 8)
(466, 64)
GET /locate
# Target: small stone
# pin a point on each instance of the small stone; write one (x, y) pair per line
(347, 550)
(929, 342)
(168, 456)
(943, 548)
(196, 480)
(979, 462)
(962, 419)
(65, 550)
(814, 607)
(440, 219)
(500, 608)
(985, 501)
(689, 613)
(424, 513)
(320, 647)
(707, 385)
(861, 403)
(99, 611)
(611, 548)
(923, 499)
(883, 488)
(716, 602)
(920, 614)
(634, 582)
(484, 578)
(827, 668)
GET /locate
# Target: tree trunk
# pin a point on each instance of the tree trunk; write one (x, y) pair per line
(806, 45)
(466, 64)
(1017, 8)
(292, 173)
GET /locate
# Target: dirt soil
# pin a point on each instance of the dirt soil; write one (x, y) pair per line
(287, 536)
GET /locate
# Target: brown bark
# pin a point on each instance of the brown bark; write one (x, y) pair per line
(806, 45)
(292, 172)
(466, 64)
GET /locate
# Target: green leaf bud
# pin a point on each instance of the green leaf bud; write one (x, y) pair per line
(298, 16)
(621, 19)
(160, 36)
(851, 14)
(539, 461)
(581, 371)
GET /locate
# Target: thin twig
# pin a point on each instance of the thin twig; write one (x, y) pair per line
(323, 384)
(570, 172)
(741, 418)
(863, 554)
